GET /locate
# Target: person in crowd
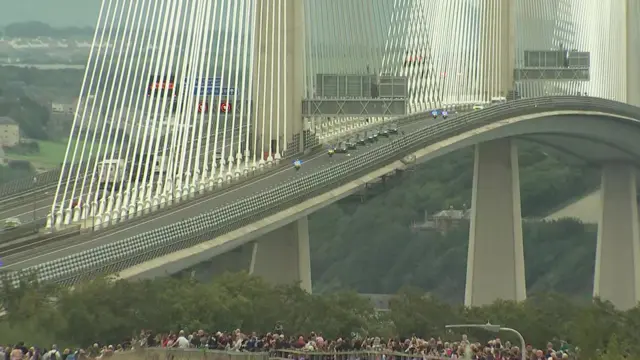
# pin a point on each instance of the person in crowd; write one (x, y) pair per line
(52, 354)
(181, 342)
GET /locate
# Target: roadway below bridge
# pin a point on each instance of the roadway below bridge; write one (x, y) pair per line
(33, 254)
(38, 206)
(30, 209)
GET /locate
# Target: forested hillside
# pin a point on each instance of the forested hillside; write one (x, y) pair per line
(370, 247)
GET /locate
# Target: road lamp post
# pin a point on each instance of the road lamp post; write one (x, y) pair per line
(35, 181)
(495, 329)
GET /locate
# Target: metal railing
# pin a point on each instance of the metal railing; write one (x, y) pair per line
(122, 254)
(187, 354)
(347, 355)
(206, 354)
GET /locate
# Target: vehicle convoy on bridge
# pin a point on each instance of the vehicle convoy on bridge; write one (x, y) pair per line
(303, 122)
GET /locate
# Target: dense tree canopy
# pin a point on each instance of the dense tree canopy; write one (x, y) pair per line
(57, 85)
(108, 311)
(559, 256)
(32, 116)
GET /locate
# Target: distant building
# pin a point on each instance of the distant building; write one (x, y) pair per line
(9, 131)
(446, 220)
(58, 108)
(443, 221)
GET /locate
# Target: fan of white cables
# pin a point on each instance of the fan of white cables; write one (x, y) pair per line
(344, 38)
(450, 51)
(178, 97)
(581, 25)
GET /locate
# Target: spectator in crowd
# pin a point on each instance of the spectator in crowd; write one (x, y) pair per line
(181, 342)
(52, 354)
(18, 352)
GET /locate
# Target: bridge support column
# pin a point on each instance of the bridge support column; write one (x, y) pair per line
(279, 58)
(283, 256)
(617, 272)
(495, 263)
(236, 260)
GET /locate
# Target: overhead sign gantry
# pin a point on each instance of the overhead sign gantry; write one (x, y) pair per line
(357, 96)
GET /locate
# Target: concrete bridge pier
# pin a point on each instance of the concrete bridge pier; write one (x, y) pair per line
(495, 262)
(283, 257)
(617, 271)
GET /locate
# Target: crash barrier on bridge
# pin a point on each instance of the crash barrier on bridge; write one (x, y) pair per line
(206, 354)
(119, 255)
(18, 232)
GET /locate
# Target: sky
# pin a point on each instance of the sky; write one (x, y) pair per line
(52, 12)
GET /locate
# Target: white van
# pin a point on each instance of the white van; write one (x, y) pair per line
(498, 100)
(11, 223)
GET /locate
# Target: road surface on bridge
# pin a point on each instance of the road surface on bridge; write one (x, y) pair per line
(34, 256)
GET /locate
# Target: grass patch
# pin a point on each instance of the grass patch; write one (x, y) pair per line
(51, 154)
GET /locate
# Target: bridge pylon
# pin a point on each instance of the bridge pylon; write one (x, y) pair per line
(497, 49)
(278, 78)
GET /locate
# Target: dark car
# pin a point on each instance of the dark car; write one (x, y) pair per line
(341, 149)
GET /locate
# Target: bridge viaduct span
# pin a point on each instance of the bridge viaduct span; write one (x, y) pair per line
(274, 219)
(264, 74)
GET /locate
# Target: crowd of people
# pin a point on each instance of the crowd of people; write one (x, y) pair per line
(300, 347)
(395, 348)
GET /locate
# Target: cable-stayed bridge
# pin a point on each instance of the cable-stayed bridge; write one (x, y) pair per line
(212, 100)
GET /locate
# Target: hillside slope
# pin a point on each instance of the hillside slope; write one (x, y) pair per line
(370, 246)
